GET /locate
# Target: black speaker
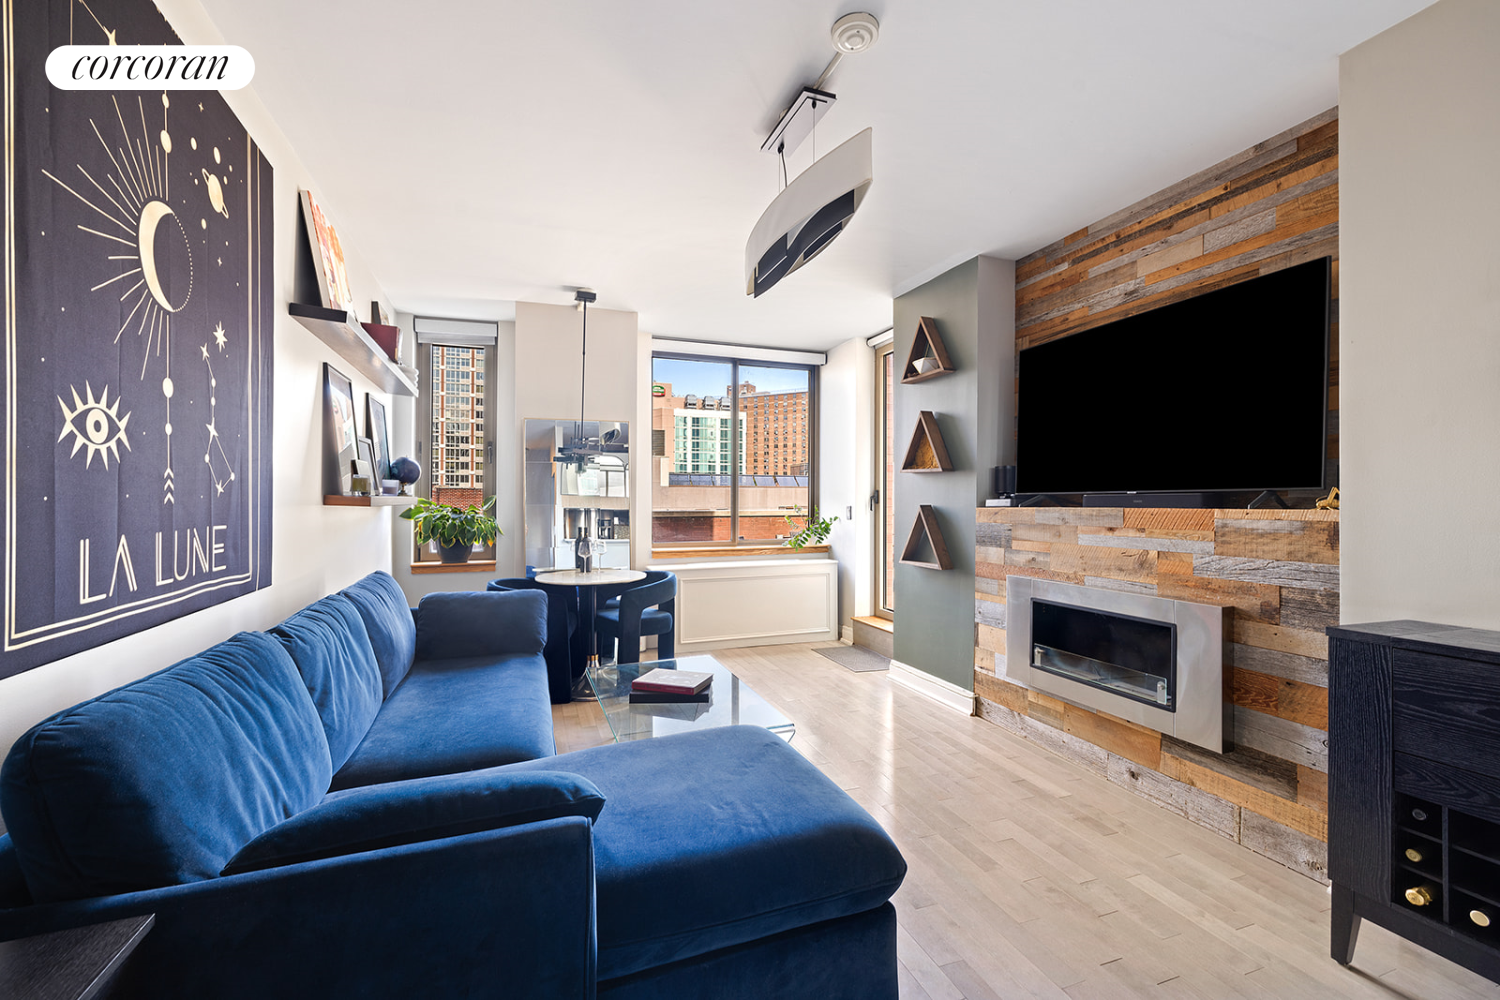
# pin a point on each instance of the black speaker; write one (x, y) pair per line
(1004, 480)
(1194, 501)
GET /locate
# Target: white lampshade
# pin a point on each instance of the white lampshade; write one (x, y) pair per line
(808, 214)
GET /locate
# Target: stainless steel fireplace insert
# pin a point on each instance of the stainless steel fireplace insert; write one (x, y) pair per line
(1149, 660)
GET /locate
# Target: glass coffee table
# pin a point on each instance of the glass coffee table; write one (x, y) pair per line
(733, 702)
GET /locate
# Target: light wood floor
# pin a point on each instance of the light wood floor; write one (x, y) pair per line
(1030, 877)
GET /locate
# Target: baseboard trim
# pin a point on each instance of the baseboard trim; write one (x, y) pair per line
(943, 692)
(846, 635)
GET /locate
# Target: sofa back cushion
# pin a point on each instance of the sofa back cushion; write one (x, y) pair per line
(328, 643)
(161, 781)
(387, 617)
(479, 623)
(409, 812)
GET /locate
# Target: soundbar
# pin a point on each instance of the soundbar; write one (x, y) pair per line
(1195, 500)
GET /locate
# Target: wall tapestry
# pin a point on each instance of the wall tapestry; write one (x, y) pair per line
(137, 345)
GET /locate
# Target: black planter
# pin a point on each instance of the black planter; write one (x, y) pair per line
(454, 553)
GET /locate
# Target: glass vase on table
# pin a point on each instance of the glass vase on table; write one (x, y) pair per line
(606, 672)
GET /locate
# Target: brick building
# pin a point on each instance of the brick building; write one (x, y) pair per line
(691, 463)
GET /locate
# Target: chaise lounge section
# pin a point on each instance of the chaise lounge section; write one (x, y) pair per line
(365, 800)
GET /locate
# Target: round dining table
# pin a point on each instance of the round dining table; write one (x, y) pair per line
(588, 585)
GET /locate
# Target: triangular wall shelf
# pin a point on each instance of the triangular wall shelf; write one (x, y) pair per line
(925, 528)
(926, 453)
(928, 358)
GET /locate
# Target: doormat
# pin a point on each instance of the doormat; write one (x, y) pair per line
(856, 658)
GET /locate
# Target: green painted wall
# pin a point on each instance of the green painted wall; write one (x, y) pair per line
(974, 306)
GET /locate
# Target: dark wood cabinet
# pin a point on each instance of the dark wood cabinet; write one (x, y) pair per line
(1414, 787)
(83, 963)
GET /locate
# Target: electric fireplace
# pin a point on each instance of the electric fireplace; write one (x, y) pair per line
(1149, 660)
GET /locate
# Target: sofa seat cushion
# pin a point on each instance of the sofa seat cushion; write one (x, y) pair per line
(328, 642)
(161, 781)
(456, 715)
(408, 812)
(387, 617)
(719, 837)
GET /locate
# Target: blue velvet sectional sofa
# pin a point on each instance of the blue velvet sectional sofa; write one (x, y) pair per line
(365, 801)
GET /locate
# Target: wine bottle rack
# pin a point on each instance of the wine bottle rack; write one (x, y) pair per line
(1447, 866)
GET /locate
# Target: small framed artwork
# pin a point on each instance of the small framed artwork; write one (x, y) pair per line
(379, 433)
(339, 434)
(364, 469)
(365, 455)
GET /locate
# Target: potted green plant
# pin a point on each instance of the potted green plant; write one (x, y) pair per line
(455, 529)
(814, 532)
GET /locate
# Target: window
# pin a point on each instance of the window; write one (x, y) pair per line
(454, 443)
(738, 459)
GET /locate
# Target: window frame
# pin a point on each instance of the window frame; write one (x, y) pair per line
(737, 416)
(886, 445)
(486, 379)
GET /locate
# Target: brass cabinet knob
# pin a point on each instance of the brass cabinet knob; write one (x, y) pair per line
(1419, 895)
(1480, 918)
(1412, 854)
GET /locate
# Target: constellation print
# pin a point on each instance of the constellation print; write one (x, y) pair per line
(214, 441)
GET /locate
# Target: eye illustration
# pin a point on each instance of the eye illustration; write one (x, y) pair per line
(95, 425)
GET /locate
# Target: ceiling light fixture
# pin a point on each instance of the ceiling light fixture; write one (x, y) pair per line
(814, 207)
(574, 452)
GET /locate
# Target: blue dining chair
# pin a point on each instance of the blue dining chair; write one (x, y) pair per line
(645, 608)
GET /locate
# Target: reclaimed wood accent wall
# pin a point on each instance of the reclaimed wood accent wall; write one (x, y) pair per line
(1278, 570)
(1269, 207)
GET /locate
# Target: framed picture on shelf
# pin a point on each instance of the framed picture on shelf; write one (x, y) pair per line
(364, 457)
(328, 257)
(339, 434)
(379, 433)
(364, 468)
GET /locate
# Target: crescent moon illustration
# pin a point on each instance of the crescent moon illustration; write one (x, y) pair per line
(151, 217)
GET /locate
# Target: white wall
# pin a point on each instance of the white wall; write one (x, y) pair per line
(846, 470)
(547, 369)
(316, 549)
(508, 502)
(1419, 336)
(538, 377)
(995, 437)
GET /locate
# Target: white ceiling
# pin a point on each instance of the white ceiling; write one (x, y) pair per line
(478, 153)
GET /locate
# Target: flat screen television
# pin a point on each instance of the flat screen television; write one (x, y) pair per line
(1223, 392)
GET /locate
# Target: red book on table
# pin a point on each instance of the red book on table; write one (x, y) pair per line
(672, 681)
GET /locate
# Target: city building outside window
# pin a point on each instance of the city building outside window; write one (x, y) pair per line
(455, 445)
(733, 453)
